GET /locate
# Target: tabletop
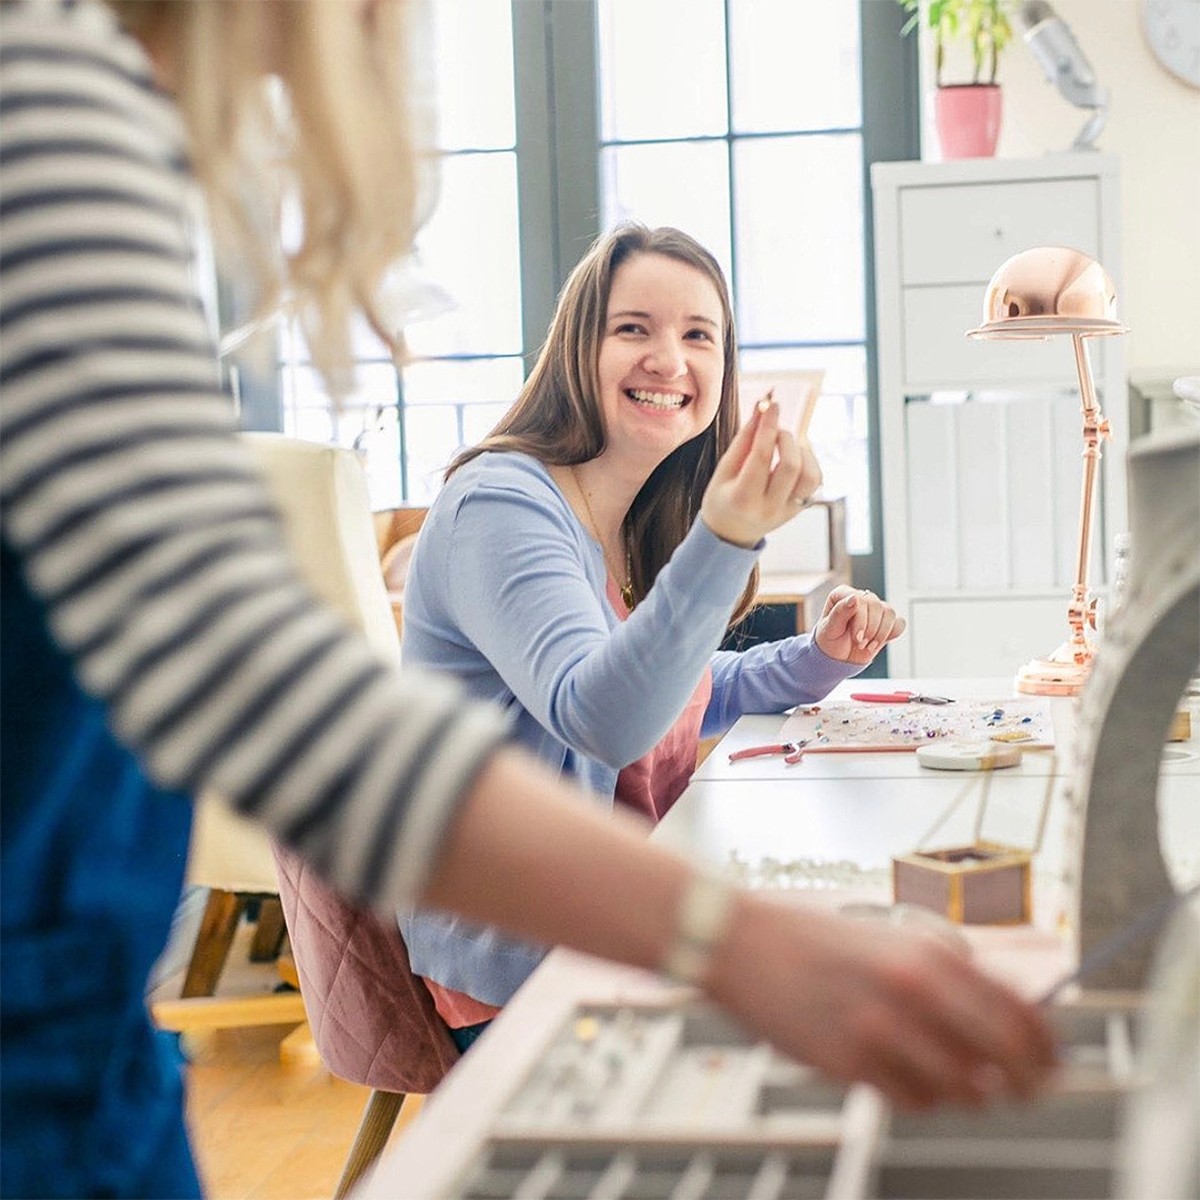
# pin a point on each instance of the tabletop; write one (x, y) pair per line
(825, 832)
(1182, 760)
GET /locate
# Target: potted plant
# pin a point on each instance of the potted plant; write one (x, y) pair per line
(967, 115)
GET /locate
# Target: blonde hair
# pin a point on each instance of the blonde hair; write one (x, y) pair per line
(347, 142)
(557, 418)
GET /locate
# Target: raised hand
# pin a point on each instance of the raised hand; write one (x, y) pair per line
(762, 480)
(855, 625)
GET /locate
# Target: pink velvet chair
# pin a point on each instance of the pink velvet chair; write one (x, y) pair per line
(372, 1020)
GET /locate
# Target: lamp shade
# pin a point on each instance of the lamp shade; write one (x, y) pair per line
(1049, 290)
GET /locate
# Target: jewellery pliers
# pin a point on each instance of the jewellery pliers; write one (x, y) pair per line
(899, 698)
(792, 752)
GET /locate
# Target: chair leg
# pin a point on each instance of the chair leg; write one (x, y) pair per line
(220, 921)
(268, 933)
(377, 1121)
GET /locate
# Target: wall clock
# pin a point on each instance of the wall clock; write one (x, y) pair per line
(1172, 29)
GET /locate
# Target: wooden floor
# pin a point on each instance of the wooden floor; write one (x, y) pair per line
(265, 1130)
(266, 1125)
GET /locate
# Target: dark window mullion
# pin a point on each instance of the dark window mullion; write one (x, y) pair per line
(402, 435)
(891, 131)
(790, 344)
(750, 135)
(729, 155)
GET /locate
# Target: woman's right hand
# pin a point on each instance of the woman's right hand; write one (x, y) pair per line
(761, 481)
(903, 1011)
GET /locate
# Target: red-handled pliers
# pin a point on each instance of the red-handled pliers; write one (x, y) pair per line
(791, 751)
(899, 698)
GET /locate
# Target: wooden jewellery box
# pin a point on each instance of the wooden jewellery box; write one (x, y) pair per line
(985, 883)
(981, 883)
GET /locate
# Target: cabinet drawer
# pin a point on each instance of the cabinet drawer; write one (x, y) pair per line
(958, 638)
(962, 233)
(938, 354)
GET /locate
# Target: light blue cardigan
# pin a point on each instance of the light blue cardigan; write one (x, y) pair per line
(506, 590)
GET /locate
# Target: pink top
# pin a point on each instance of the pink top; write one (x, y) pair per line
(458, 1009)
(649, 786)
(653, 783)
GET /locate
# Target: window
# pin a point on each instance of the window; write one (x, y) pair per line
(741, 121)
(465, 365)
(743, 126)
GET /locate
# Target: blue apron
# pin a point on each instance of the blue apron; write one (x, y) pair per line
(91, 1096)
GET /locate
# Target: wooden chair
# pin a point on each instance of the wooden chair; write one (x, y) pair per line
(321, 493)
(372, 1020)
(232, 858)
(396, 532)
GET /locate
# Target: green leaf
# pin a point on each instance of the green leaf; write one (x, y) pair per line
(984, 24)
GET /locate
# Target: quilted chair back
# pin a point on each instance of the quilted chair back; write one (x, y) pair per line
(372, 1020)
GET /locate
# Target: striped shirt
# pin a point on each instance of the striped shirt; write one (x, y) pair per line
(137, 514)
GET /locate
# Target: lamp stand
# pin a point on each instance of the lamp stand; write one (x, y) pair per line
(1066, 670)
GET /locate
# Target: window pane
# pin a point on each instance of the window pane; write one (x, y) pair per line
(354, 423)
(374, 389)
(662, 69)
(492, 380)
(431, 439)
(293, 346)
(449, 405)
(480, 419)
(379, 445)
(839, 426)
(470, 248)
(799, 212)
(794, 66)
(311, 424)
(685, 185)
(365, 421)
(845, 367)
(473, 45)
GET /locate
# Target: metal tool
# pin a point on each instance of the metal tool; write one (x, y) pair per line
(899, 698)
(791, 752)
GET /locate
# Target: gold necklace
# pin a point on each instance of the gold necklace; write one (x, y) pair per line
(626, 588)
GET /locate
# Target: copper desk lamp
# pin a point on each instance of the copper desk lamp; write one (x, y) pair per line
(1035, 295)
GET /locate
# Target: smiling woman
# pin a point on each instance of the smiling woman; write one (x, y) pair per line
(583, 562)
(661, 365)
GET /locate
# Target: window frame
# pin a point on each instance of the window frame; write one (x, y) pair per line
(558, 152)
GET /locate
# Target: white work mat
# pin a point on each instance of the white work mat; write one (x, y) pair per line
(848, 725)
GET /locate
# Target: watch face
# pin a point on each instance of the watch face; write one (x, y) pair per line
(1172, 28)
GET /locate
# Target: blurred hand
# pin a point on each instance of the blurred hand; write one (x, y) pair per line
(762, 480)
(855, 625)
(901, 1010)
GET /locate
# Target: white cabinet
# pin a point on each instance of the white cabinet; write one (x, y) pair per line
(981, 441)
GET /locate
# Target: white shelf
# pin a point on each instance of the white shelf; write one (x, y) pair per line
(967, 595)
(981, 498)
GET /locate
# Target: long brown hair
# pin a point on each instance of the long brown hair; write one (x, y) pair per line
(557, 419)
(347, 137)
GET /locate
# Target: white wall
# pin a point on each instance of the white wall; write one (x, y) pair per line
(1154, 127)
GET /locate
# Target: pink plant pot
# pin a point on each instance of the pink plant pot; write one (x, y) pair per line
(967, 116)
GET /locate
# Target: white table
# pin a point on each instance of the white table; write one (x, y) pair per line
(865, 808)
(860, 809)
(759, 730)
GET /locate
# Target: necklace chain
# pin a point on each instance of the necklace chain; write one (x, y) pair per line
(626, 588)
